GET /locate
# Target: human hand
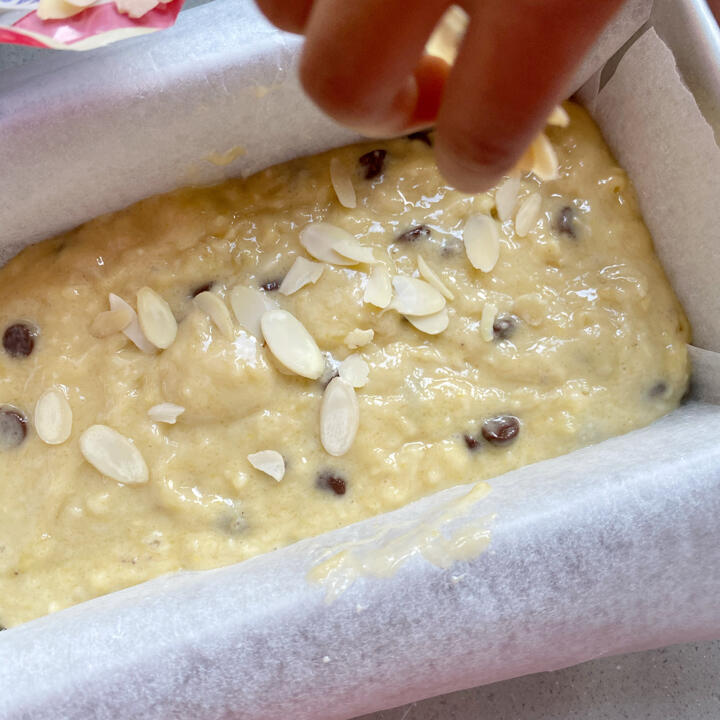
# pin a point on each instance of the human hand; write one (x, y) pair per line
(364, 64)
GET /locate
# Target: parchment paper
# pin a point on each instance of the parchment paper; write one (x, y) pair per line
(609, 549)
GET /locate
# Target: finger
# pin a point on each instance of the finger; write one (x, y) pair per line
(359, 59)
(288, 15)
(513, 67)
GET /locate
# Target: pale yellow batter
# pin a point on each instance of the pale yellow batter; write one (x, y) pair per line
(589, 342)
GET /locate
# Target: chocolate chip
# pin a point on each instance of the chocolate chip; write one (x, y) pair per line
(233, 524)
(13, 427)
(270, 285)
(331, 481)
(373, 163)
(471, 441)
(658, 389)
(504, 326)
(19, 340)
(201, 289)
(422, 136)
(566, 221)
(501, 429)
(419, 232)
(2, 627)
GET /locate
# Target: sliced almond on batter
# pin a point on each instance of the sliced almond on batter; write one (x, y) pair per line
(545, 164)
(359, 338)
(352, 249)
(270, 462)
(430, 324)
(133, 331)
(528, 214)
(354, 371)
(318, 239)
(433, 278)
(559, 117)
(113, 455)
(506, 197)
(156, 318)
(342, 183)
(487, 319)
(217, 311)
(291, 344)
(339, 417)
(378, 290)
(482, 244)
(166, 412)
(249, 305)
(110, 322)
(302, 273)
(415, 297)
(53, 417)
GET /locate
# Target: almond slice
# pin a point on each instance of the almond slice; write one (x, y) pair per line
(545, 159)
(378, 290)
(350, 248)
(359, 338)
(318, 239)
(110, 322)
(342, 183)
(156, 319)
(166, 412)
(415, 297)
(249, 305)
(482, 244)
(506, 198)
(217, 311)
(270, 462)
(487, 319)
(559, 117)
(113, 455)
(339, 417)
(433, 278)
(291, 344)
(528, 214)
(133, 331)
(430, 324)
(302, 273)
(354, 371)
(53, 417)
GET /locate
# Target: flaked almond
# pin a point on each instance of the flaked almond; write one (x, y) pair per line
(506, 197)
(353, 250)
(359, 338)
(559, 117)
(133, 331)
(113, 455)
(156, 318)
(482, 244)
(271, 462)
(354, 371)
(532, 308)
(53, 417)
(110, 322)
(342, 183)
(528, 214)
(428, 274)
(378, 290)
(487, 320)
(249, 305)
(545, 159)
(339, 417)
(217, 311)
(415, 297)
(318, 239)
(291, 344)
(302, 273)
(430, 324)
(166, 412)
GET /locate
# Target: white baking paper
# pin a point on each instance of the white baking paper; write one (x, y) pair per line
(609, 549)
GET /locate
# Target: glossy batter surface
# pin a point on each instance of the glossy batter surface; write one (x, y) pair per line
(589, 342)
